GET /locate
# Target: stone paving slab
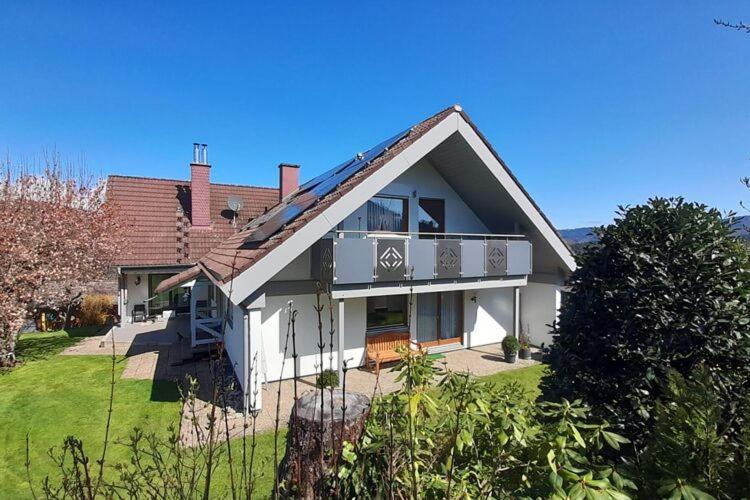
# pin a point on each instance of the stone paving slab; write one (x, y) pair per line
(479, 361)
(96, 346)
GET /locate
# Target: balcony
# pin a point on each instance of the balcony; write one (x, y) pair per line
(362, 258)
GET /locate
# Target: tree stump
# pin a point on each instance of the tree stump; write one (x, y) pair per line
(301, 470)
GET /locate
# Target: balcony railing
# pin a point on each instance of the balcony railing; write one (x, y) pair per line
(361, 257)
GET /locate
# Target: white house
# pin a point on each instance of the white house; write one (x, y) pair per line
(427, 233)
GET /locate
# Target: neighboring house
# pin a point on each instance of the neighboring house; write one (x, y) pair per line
(427, 233)
(172, 224)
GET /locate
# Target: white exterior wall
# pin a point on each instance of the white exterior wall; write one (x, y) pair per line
(490, 318)
(427, 183)
(540, 306)
(134, 294)
(274, 328)
(234, 342)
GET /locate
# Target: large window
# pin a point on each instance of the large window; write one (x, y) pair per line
(431, 215)
(387, 214)
(387, 312)
(176, 299)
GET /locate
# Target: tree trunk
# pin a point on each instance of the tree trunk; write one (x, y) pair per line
(301, 472)
(69, 310)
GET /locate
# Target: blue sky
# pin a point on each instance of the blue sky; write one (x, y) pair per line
(591, 104)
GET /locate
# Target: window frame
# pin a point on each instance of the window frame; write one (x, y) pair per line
(405, 213)
(404, 326)
(431, 234)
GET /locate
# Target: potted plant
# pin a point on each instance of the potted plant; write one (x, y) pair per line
(510, 348)
(524, 351)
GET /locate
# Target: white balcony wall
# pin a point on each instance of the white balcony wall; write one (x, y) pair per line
(427, 183)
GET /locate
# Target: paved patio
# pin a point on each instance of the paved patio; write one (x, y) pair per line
(160, 350)
(480, 361)
(154, 350)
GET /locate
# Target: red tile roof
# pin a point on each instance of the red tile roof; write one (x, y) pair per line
(232, 257)
(158, 217)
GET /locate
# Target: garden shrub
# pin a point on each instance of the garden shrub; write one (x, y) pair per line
(328, 379)
(96, 310)
(690, 450)
(510, 344)
(451, 435)
(665, 288)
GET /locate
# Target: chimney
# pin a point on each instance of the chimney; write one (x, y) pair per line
(288, 179)
(200, 187)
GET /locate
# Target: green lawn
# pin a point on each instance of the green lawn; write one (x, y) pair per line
(528, 378)
(51, 396)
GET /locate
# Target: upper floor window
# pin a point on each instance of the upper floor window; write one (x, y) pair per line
(387, 214)
(431, 215)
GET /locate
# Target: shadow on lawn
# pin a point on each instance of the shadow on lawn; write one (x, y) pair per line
(165, 391)
(38, 346)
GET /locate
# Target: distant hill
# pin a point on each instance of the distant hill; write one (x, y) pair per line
(580, 235)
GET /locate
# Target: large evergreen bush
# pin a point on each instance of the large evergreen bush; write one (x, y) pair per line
(665, 288)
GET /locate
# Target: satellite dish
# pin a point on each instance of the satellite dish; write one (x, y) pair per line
(234, 203)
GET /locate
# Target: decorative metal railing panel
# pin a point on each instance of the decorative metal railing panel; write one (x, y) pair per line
(390, 264)
(448, 259)
(358, 257)
(495, 257)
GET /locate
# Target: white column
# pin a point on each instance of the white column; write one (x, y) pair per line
(252, 340)
(341, 340)
(247, 392)
(121, 297)
(516, 311)
(193, 302)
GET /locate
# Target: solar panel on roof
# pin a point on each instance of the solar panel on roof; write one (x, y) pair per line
(353, 165)
(325, 175)
(310, 192)
(283, 216)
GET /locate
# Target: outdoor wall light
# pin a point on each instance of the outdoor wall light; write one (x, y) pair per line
(474, 299)
(138, 280)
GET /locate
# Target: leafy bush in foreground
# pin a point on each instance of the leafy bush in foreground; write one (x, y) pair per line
(690, 450)
(665, 288)
(464, 438)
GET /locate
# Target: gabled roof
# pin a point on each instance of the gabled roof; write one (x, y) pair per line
(234, 256)
(237, 254)
(158, 214)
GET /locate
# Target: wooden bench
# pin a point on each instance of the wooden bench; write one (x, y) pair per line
(381, 348)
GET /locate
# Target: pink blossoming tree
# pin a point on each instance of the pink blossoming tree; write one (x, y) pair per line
(57, 234)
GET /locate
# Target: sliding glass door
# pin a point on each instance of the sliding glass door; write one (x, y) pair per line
(440, 318)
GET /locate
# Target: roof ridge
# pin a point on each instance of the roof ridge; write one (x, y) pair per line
(182, 181)
(147, 178)
(244, 186)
